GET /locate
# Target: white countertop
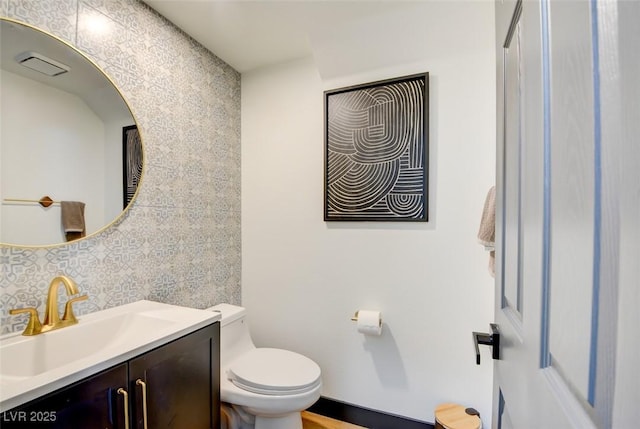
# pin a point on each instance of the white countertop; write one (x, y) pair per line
(36, 365)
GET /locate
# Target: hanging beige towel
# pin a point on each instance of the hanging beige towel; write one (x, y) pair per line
(487, 231)
(73, 219)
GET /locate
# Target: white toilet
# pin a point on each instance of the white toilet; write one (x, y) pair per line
(266, 387)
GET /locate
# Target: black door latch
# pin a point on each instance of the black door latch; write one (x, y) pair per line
(492, 339)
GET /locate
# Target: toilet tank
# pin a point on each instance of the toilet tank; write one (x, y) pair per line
(234, 332)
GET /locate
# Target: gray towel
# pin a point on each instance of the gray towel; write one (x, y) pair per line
(73, 219)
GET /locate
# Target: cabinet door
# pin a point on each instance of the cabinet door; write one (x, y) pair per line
(181, 380)
(92, 403)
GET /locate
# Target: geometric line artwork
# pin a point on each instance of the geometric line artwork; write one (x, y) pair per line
(376, 159)
(131, 162)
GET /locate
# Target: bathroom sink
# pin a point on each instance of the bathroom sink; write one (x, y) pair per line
(29, 356)
(31, 366)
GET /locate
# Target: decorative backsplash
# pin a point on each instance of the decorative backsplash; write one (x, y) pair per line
(180, 241)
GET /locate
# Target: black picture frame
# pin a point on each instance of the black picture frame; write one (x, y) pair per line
(376, 151)
(131, 163)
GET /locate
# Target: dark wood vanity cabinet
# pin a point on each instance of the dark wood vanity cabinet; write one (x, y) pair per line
(88, 404)
(182, 383)
(177, 384)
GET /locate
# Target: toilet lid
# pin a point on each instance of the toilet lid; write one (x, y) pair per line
(274, 372)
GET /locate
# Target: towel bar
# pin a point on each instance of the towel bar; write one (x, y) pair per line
(45, 201)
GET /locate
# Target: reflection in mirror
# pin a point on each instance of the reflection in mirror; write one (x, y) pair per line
(62, 136)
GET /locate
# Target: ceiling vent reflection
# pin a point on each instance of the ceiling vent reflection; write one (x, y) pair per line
(42, 64)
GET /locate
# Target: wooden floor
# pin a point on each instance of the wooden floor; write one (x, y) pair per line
(316, 421)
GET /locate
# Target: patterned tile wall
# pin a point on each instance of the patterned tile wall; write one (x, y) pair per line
(180, 241)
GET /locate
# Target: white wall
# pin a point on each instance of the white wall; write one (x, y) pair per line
(303, 278)
(56, 149)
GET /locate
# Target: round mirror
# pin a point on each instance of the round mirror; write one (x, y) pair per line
(70, 151)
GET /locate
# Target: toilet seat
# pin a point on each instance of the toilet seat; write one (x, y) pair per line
(270, 371)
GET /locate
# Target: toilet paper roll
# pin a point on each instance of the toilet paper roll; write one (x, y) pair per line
(369, 322)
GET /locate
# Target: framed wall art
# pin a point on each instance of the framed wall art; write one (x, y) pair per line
(131, 162)
(376, 151)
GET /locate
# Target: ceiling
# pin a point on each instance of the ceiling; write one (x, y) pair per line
(252, 34)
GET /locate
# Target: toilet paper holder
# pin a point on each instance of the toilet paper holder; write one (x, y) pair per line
(355, 318)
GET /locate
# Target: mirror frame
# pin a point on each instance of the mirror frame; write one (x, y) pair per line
(99, 69)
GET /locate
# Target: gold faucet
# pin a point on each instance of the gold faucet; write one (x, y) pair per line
(52, 319)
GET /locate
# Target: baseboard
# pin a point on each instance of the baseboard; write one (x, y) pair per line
(366, 417)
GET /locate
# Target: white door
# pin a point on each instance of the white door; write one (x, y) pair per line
(568, 214)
